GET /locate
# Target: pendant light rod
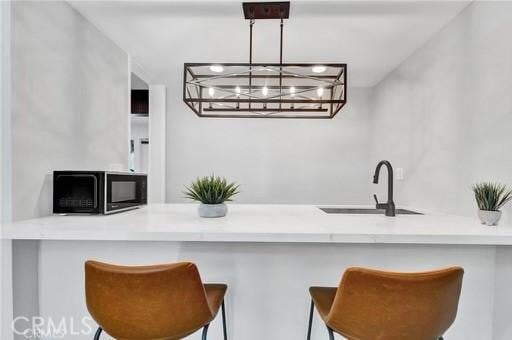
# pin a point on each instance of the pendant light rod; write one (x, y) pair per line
(281, 44)
(281, 62)
(251, 24)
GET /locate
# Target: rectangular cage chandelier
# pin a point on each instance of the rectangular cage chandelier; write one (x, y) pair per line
(258, 90)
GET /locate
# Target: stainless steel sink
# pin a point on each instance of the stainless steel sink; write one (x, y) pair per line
(366, 211)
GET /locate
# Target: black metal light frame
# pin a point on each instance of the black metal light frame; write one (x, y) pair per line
(248, 101)
(231, 105)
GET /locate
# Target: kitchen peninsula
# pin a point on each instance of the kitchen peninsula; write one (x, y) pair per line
(270, 254)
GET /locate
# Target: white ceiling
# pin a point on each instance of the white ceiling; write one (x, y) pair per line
(372, 37)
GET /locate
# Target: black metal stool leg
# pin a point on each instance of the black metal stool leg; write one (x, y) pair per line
(310, 324)
(205, 331)
(98, 333)
(331, 333)
(224, 328)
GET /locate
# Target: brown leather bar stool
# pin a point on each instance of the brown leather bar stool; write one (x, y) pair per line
(164, 302)
(372, 304)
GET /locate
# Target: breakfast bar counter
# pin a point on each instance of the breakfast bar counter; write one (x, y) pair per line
(269, 255)
(261, 223)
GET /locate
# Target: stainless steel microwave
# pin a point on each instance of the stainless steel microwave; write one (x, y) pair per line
(97, 192)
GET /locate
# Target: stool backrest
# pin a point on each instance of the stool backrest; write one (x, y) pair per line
(372, 304)
(146, 302)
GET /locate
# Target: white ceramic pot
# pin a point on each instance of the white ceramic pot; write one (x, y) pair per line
(212, 210)
(489, 217)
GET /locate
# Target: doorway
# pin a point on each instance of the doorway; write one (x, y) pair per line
(139, 125)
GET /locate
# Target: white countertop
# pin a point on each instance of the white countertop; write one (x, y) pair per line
(260, 223)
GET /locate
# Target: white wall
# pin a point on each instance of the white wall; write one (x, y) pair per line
(70, 100)
(445, 115)
(70, 111)
(6, 297)
(273, 160)
(5, 118)
(502, 327)
(157, 144)
(137, 83)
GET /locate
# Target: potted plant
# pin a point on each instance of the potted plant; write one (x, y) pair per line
(490, 197)
(212, 192)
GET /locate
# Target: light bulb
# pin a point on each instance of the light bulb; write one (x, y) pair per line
(318, 69)
(320, 91)
(216, 68)
(292, 91)
(211, 91)
(264, 91)
(237, 90)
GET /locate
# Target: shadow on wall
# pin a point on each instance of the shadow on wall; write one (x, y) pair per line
(45, 199)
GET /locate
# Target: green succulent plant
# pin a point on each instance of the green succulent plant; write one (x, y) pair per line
(211, 190)
(491, 196)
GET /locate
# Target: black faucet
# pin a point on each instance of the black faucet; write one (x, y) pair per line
(390, 205)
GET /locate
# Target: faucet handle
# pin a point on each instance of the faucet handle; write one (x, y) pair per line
(379, 205)
(376, 199)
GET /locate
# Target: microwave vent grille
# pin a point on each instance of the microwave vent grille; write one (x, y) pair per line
(76, 203)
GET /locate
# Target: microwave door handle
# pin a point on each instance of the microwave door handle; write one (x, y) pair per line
(95, 192)
(105, 186)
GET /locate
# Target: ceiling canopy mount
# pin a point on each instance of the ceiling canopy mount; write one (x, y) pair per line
(266, 10)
